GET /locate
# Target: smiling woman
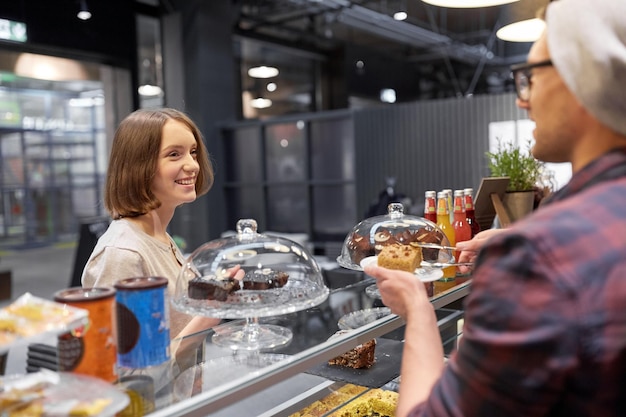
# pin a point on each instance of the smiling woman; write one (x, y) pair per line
(158, 162)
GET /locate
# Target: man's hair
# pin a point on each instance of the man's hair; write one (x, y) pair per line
(134, 157)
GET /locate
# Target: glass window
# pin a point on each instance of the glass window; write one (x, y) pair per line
(332, 150)
(334, 211)
(286, 152)
(12, 164)
(150, 64)
(288, 209)
(245, 203)
(290, 90)
(243, 148)
(48, 144)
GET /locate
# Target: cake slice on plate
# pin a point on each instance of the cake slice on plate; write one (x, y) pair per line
(403, 257)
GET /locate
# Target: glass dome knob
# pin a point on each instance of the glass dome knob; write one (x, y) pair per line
(395, 210)
(246, 229)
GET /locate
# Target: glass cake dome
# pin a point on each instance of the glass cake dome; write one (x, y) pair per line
(366, 239)
(247, 276)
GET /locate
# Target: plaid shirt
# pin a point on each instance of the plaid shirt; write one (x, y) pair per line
(545, 327)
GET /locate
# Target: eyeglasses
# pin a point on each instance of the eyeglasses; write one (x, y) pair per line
(522, 74)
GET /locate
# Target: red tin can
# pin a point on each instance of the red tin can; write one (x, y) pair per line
(91, 350)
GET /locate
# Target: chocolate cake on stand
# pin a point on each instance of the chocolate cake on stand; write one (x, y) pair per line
(249, 276)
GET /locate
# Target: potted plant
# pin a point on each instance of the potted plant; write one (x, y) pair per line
(523, 170)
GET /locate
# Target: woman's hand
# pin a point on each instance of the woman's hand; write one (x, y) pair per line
(194, 333)
(236, 272)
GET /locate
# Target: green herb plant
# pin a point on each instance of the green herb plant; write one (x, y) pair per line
(523, 170)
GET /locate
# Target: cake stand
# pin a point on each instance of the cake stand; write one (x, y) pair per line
(249, 251)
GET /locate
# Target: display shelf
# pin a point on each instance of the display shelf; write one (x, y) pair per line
(289, 381)
(225, 396)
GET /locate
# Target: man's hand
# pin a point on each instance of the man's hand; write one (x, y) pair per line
(470, 248)
(399, 290)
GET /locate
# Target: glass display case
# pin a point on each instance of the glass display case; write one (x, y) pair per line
(326, 313)
(279, 382)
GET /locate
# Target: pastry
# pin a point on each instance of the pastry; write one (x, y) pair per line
(210, 288)
(362, 356)
(264, 279)
(402, 257)
(359, 247)
(383, 238)
(383, 402)
(375, 402)
(429, 235)
(331, 401)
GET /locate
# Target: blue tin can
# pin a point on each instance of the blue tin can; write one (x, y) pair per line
(143, 329)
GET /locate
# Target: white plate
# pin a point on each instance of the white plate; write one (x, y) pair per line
(424, 274)
(360, 318)
(34, 317)
(66, 389)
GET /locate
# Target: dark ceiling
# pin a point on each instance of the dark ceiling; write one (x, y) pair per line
(452, 52)
(435, 53)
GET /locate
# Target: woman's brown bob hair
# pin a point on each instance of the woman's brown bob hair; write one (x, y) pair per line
(134, 157)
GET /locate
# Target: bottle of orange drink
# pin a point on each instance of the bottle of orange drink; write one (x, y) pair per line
(443, 221)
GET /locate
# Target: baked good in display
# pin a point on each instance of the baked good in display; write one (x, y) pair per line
(331, 401)
(375, 402)
(429, 235)
(203, 288)
(362, 245)
(264, 279)
(353, 400)
(30, 316)
(383, 402)
(359, 247)
(362, 356)
(383, 238)
(402, 257)
(212, 288)
(46, 393)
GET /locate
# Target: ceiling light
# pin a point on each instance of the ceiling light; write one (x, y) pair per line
(148, 90)
(525, 31)
(50, 68)
(519, 21)
(263, 72)
(83, 12)
(388, 95)
(400, 15)
(261, 103)
(467, 4)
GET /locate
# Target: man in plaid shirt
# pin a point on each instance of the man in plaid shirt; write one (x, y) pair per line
(545, 326)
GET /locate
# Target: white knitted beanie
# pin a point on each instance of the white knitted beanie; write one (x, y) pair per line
(587, 42)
